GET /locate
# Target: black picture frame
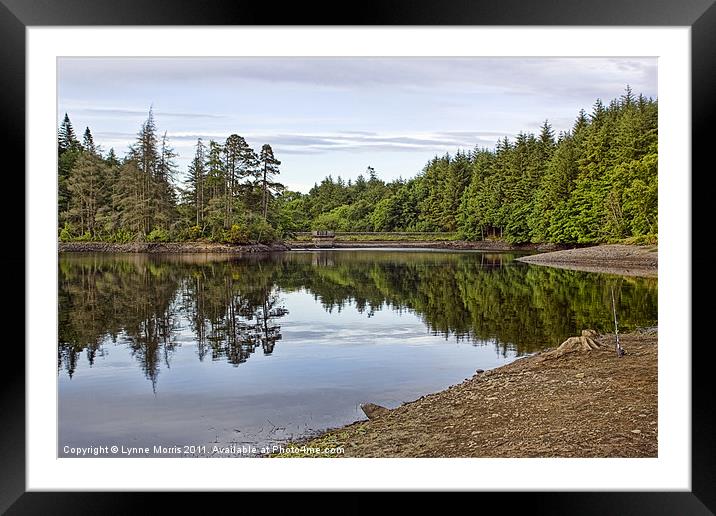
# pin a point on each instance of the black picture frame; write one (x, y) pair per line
(700, 15)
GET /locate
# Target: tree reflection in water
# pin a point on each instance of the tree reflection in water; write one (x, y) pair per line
(232, 306)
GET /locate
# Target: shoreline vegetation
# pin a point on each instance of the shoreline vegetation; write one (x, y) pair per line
(594, 183)
(562, 402)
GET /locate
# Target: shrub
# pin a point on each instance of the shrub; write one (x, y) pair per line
(261, 231)
(158, 235)
(66, 233)
(238, 234)
(193, 233)
(121, 236)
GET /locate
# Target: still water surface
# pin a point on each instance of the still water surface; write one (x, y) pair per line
(211, 351)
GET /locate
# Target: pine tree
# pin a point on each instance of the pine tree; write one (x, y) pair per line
(107, 217)
(628, 98)
(145, 155)
(269, 168)
(214, 170)
(164, 195)
(455, 182)
(86, 187)
(66, 139)
(195, 182)
(214, 188)
(68, 150)
(546, 142)
(112, 160)
(372, 176)
(131, 205)
(88, 142)
(232, 164)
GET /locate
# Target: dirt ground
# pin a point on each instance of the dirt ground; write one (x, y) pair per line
(577, 404)
(629, 260)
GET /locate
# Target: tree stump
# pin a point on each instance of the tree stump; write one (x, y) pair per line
(373, 411)
(585, 342)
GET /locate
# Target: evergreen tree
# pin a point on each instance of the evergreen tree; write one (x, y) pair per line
(68, 149)
(269, 169)
(86, 187)
(196, 179)
(112, 160)
(214, 188)
(145, 155)
(131, 205)
(233, 149)
(88, 142)
(164, 197)
(66, 138)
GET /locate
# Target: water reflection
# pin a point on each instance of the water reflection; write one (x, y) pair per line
(230, 307)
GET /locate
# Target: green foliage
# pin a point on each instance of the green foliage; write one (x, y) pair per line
(594, 183)
(385, 216)
(291, 214)
(338, 219)
(66, 232)
(236, 235)
(158, 235)
(194, 233)
(122, 236)
(261, 231)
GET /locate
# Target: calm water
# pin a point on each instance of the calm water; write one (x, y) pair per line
(201, 350)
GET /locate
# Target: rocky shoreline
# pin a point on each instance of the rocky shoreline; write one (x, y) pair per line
(210, 247)
(570, 401)
(626, 260)
(168, 248)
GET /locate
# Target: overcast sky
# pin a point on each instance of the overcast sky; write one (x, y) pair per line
(339, 115)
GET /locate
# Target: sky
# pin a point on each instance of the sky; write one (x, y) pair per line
(339, 116)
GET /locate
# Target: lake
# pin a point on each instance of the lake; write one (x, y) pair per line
(200, 351)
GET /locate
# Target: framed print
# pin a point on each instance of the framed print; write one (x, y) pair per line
(422, 243)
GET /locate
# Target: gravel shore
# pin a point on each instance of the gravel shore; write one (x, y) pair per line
(574, 404)
(627, 260)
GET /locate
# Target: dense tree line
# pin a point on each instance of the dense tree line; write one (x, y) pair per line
(228, 196)
(594, 183)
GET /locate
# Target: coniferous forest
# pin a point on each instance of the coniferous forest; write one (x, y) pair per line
(595, 183)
